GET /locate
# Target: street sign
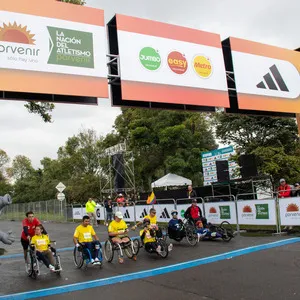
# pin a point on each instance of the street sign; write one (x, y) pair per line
(61, 196)
(60, 187)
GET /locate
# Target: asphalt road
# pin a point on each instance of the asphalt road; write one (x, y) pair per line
(267, 274)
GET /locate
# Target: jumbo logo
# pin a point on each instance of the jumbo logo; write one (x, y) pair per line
(177, 62)
(212, 210)
(150, 58)
(202, 66)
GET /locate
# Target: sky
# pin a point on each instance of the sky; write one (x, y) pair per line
(274, 22)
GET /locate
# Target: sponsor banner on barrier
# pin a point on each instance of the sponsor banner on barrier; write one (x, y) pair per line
(79, 212)
(218, 212)
(257, 212)
(289, 209)
(163, 211)
(128, 213)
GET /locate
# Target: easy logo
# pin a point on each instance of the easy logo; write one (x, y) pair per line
(150, 58)
(177, 62)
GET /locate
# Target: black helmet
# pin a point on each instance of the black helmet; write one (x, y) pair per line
(146, 221)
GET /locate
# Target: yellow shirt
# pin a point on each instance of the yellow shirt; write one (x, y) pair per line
(90, 206)
(41, 242)
(153, 220)
(147, 238)
(84, 234)
(117, 226)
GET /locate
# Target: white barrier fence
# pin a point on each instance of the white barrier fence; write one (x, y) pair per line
(243, 212)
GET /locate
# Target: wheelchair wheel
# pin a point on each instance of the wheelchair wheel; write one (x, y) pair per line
(78, 257)
(108, 251)
(164, 248)
(57, 265)
(128, 249)
(191, 235)
(34, 265)
(227, 231)
(136, 246)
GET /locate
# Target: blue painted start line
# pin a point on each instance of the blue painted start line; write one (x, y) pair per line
(146, 273)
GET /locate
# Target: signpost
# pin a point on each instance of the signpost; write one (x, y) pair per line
(61, 196)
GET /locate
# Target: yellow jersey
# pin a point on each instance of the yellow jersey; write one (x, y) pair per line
(84, 234)
(90, 206)
(147, 238)
(153, 220)
(41, 242)
(115, 226)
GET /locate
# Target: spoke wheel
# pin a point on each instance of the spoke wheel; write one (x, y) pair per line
(227, 231)
(191, 235)
(78, 257)
(108, 251)
(164, 248)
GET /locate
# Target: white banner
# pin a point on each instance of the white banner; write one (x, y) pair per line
(289, 209)
(257, 212)
(52, 45)
(217, 212)
(128, 213)
(79, 212)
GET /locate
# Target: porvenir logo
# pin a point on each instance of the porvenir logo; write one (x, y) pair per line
(292, 207)
(247, 209)
(292, 211)
(150, 58)
(212, 210)
(202, 66)
(177, 62)
(17, 34)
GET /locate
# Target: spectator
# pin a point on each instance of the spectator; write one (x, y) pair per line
(191, 193)
(284, 190)
(109, 211)
(297, 190)
(120, 200)
(90, 208)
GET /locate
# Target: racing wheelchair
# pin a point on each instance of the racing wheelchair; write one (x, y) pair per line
(83, 256)
(131, 249)
(187, 230)
(34, 264)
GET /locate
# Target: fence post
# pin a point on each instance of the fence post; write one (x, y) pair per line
(237, 217)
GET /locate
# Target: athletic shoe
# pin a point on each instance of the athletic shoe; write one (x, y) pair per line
(51, 268)
(92, 261)
(170, 247)
(97, 261)
(158, 249)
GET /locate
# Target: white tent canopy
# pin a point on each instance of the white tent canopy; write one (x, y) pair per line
(171, 180)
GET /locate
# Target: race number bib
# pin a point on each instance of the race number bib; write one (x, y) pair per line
(41, 242)
(87, 235)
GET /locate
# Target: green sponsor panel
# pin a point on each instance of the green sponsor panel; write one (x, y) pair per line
(71, 48)
(182, 213)
(150, 58)
(225, 212)
(262, 211)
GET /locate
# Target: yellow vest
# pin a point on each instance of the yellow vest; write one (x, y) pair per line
(90, 206)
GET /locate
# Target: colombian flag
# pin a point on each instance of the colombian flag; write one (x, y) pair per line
(151, 198)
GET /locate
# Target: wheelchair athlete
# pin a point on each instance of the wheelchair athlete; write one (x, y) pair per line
(206, 231)
(118, 233)
(86, 237)
(41, 243)
(176, 229)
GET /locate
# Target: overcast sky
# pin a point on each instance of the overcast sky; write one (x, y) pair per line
(274, 22)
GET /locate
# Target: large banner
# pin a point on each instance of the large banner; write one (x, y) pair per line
(257, 212)
(217, 212)
(79, 212)
(289, 209)
(266, 77)
(52, 48)
(171, 64)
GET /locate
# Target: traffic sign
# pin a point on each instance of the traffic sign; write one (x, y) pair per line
(60, 187)
(61, 196)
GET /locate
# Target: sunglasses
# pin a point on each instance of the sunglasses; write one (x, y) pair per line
(153, 212)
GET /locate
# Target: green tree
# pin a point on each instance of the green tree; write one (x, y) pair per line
(21, 167)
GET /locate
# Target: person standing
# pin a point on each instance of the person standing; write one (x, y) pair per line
(284, 190)
(191, 193)
(109, 211)
(90, 208)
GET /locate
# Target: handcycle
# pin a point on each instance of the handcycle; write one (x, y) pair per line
(130, 248)
(187, 231)
(224, 231)
(159, 241)
(83, 256)
(33, 267)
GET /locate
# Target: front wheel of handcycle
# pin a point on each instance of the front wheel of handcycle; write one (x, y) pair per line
(164, 252)
(191, 235)
(227, 231)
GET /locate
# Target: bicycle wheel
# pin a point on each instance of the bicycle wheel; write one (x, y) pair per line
(191, 235)
(136, 246)
(78, 257)
(108, 251)
(163, 247)
(227, 229)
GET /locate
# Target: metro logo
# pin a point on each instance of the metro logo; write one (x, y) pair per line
(177, 62)
(202, 66)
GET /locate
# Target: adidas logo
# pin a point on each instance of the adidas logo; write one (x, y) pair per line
(269, 81)
(144, 213)
(165, 214)
(126, 215)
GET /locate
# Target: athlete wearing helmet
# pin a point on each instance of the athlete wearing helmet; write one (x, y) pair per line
(148, 237)
(175, 226)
